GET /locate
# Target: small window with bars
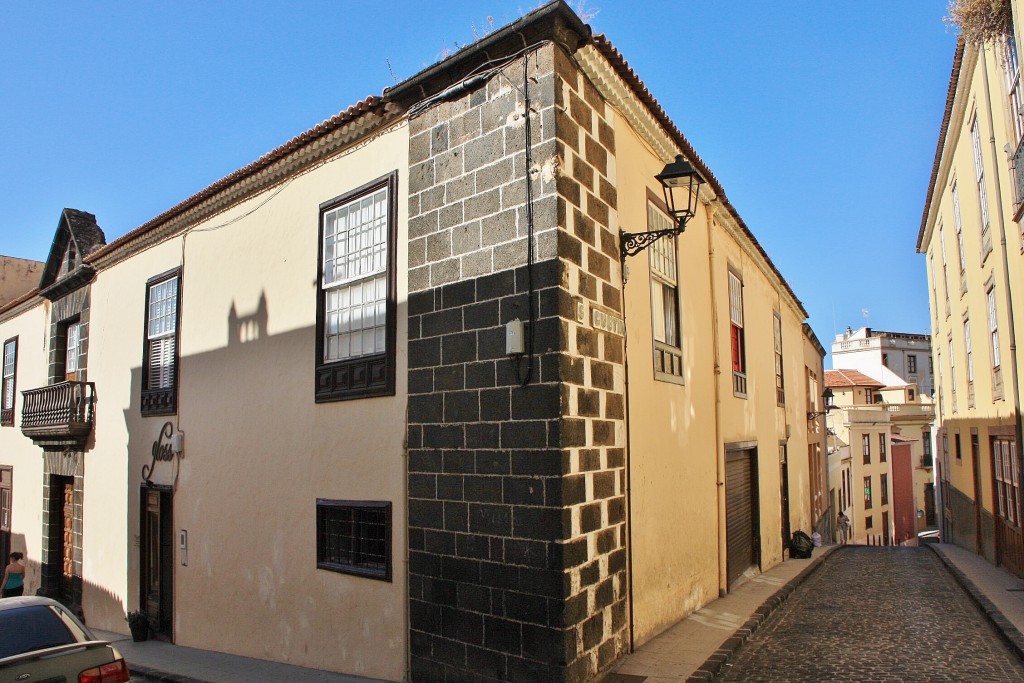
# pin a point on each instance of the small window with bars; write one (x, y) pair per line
(354, 537)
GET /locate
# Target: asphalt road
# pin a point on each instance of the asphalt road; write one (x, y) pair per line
(876, 614)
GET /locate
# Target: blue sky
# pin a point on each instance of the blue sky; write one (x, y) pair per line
(820, 119)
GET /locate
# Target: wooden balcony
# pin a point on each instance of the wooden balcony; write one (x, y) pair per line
(59, 414)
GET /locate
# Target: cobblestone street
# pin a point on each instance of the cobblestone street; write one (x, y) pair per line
(876, 614)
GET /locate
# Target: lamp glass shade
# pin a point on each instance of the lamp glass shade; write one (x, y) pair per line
(680, 182)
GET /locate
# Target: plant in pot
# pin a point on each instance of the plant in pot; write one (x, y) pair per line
(138, 624)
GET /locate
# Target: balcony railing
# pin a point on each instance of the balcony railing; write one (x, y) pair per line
(908, 410)
(926, 461)
(59, 414)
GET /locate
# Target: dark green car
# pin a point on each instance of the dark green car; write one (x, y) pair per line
(42, 642)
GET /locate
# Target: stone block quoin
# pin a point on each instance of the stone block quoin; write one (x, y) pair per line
(516, 494)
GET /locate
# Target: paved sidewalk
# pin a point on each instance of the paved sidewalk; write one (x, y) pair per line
(154, 660)
(696, 647)
(692, 650)
(999, 594)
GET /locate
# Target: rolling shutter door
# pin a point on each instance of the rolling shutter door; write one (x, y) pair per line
(739, 513)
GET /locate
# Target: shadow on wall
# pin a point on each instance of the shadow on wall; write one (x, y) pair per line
(235, 402)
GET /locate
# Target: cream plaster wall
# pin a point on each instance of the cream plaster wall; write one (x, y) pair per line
(259, 451)
(18, 276)
(31, 327)
(122, 437)
(677, 432)
(757, 417)
(967, 296)
(672, 447)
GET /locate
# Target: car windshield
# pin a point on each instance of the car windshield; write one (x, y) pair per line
(32, 628)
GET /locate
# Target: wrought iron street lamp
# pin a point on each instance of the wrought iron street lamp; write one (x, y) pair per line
(827, 395)
(680, 182)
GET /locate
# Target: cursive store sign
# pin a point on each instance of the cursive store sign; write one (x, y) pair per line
(163, 451)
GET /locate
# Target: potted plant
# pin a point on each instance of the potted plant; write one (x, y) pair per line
(138, 624)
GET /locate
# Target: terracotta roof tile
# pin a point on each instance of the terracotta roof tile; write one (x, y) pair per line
(954, 78)
(370, 104)
(615, 58)
(850, 378)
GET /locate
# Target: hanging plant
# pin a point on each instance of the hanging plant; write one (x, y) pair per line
(980, 20)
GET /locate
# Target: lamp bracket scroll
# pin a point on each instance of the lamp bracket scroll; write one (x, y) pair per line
(815, 414)
(635, 242)
(680, 183)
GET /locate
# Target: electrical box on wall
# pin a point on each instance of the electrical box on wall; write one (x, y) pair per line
(183, 547)
(514, 344)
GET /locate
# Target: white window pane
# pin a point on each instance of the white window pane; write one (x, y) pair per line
(658, 310)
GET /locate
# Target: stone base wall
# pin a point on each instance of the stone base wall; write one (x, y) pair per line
(516, 488)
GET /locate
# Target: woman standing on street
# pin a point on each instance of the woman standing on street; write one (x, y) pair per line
(14, 577)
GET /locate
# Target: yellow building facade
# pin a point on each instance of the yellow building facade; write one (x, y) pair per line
(391, 401)
(970, 236)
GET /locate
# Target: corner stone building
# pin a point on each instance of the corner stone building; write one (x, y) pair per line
(517, 513)
(454, 512)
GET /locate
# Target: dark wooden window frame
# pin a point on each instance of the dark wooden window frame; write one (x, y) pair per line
(162, 401)
(7, 412)
(372, 374)
(369, 570)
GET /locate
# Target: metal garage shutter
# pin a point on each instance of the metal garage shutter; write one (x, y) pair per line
(739, 513)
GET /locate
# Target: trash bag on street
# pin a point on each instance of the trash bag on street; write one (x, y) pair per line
(801, 546)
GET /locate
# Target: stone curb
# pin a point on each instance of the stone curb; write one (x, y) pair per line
(713, 665)
(147, 674)
(1010, 634)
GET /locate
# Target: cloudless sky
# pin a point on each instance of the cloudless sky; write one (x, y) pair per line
(820, 119)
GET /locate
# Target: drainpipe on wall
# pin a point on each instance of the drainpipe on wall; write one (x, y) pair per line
(723, 576)
(627, 458)
(1001, 220)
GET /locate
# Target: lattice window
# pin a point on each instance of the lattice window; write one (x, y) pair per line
(354, 537)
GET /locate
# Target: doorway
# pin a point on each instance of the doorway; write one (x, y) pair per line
(157, 561)
(742, 525)
(784, 497)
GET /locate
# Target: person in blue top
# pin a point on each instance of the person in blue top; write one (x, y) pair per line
(14, 577)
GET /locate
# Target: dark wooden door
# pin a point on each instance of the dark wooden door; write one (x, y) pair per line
(784, 498)
(67, 540)
(157, 559)
(741, 524)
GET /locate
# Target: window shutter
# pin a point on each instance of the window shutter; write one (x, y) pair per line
(161, 363)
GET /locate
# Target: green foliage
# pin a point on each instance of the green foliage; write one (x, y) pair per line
(136, 617)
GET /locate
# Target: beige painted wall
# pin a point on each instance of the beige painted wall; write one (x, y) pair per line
(967, 295)
(31, 328)
(18, 276)
(258, 450)
(676, 432)
(757, 417)
(672, 447)
(110, 535)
